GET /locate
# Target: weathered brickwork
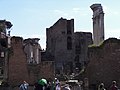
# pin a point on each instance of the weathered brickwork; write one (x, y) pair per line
(104, 63)
(66, 46)
(47, 70)
(20, 69)
(57, 38)
(17, 62)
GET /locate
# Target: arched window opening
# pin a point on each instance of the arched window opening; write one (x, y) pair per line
(69, 43)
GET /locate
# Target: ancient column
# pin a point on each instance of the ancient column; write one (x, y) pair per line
(98, 23)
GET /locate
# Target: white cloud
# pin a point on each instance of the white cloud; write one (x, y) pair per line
(110, 11)
(76, 9)
(61, 13)
(58, 11)
(72, 13)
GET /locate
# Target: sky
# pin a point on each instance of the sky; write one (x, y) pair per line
(30, 18)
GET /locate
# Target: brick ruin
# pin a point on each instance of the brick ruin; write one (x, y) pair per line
(21, 59)
(20, 68)
(69, 48)
(66, 51)
(25, 60)
(104, 63)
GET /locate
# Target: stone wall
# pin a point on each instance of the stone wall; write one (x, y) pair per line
(20, 69)
(104, 65)
(67, 47)
(17, 62)
(47, 70)
(82, 40)
(57, 42)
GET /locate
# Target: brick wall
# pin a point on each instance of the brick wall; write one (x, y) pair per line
(47, 70)
(104, 63)
(17, 62)
(20, 70)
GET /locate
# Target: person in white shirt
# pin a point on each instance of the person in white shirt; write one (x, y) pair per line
(58, 87)
(24, 86)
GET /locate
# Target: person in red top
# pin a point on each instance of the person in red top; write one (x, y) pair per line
(113, 86)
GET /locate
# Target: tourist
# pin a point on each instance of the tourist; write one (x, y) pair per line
(113, 86)
(101, 87)
(41, 84)
(24, 86)
(66, 87)
(58, 87)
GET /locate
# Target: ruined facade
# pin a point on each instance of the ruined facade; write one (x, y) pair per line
(32, 49)
(17, 62)
(82, 40)
(98, 23)
(4, 48)
(104, 63)
(67, 47)
(60, 42)
(21, 59)
(22, 67)
(66, 52)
